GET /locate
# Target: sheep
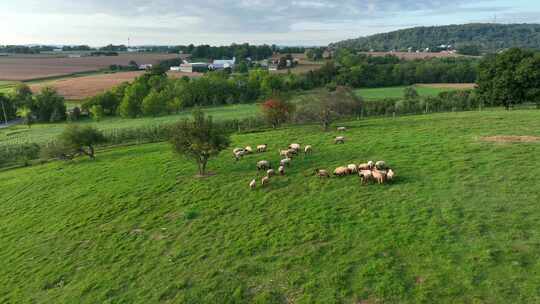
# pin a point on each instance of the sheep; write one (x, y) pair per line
(341, 171)
(364, 167)
(281, 170)
(352, 168)
(262, 148)
(285, 153)
(292, 152)
(308, 149)
(381, 165)
(265, 180)
(285, 162)
(253, 184)
(238, 155)
(342, 129)
(365, 176)
(379, 176)
(248, 149)
(295, 147)
(339, 140)
(322, 173)
(390, 175)
(263, 165)
(236, 150)
(270, 173)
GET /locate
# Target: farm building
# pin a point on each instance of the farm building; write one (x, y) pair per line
(222, 64)
(191, 67)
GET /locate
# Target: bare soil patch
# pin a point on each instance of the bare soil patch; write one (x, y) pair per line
(35, 67)
(78, 88)
(510, 139)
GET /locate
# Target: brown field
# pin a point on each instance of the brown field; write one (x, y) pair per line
(461, 86)
(78, 88)
(412, 56)
(301, 68)
(21, 68)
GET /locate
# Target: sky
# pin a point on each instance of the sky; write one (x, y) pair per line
(222, 22)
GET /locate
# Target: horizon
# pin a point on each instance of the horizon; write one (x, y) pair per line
(294, 23)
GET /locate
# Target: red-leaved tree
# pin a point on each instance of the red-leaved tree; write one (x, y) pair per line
(277, 111)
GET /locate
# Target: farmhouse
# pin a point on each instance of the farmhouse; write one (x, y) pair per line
(191, 67)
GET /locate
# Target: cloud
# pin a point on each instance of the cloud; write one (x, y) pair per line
(254, 20)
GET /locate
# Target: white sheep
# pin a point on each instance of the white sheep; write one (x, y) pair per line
(281, 170)
(253, 184)
(342, 129)
(285, 162)
(381, 165)
(248, 149)
(270, 173)
(236, 150)
(341, 171)
(308, 149)
(364, 167)
(239, 154)
(295, 147)
(352, 168)
(365, 176)
(390, 175)
(322, 173)
(379, 176)
(263, 165)
(285, 153)
(265, 180)
(262, 148)
(339, 140)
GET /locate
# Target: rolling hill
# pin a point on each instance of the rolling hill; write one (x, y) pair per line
(490, 37)
(458, 225)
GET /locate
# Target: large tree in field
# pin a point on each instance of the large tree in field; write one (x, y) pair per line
(75, 140)
(509, 78)
(49, 106)
(276, 111)
(199, 139)
(327, 106)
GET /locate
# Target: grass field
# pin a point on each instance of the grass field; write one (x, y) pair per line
(41, 133)
(397, 92)
(459, 225)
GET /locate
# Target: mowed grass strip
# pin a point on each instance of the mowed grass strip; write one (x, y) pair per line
(397, 92)
(43, 133)
(459, 224)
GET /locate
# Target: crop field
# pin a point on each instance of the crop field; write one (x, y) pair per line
(37, 67)
(397, 92)
(135, 226)
(78, 88)
(42, 133)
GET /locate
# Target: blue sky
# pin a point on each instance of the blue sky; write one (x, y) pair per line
(221, 22)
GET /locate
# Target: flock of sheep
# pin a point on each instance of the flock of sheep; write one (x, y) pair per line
(368, 172)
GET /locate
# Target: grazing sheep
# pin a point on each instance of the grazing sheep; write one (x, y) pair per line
(364, 167)
(285, 162)
(339, 140)
(263, 165)
(265, 180)
(270, 172)
(262, 148)
(248, 149)
(342, 129)
(238, 155)
(295, 146)
(390, 175)
(308, 150)
(322, 173)
(371, 164)
(352, 168)
(381, 165)
(365, 176)
(285, 153)
(379, 176)
(281, 170)
(253, 184)
(236, 150)
(341, 171)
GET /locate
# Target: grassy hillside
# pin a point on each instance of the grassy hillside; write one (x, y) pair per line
(489, 37)
(41, 133)
(397, 92)
(459, 225)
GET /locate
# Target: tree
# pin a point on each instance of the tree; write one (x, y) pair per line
(76, 140)
(7, 108)
(277, 111)
(133, 97)
(26, 114)
(22, 96)
(49, 106)
(509, 78)
(199, 140)
(153, 104)
(410, 93)
(328, 106)
(96, 111)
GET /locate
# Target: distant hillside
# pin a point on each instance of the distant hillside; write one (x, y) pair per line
(487, 36)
